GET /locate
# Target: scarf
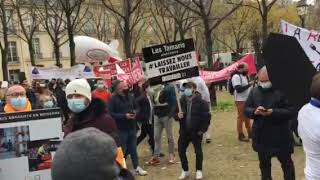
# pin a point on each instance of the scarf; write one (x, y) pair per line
(9, 109)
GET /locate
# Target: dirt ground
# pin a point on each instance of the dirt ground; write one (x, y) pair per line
(224, 159)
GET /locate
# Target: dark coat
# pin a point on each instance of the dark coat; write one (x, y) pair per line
(143, 108)
(62, 101)
(119, 106)
(270, 134)
(97, 116)
(168, 95)
(200, 115)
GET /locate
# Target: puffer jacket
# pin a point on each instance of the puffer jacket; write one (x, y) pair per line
(270, 134)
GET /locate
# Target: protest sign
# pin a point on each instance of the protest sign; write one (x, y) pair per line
(224, 74)
(28, 141)
(170, 62)
(309, 41)
(78, 71)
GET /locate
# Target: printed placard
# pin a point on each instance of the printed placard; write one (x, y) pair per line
(171, 62)
(28, 141)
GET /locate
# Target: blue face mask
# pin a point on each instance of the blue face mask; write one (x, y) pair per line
(48, 104)
(188, 92)
(19, 103)
(77, 105)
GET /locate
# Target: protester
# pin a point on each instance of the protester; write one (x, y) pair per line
(30, 94)
(242, 87)
(164, 110)
(60, 95)
(101, 91)
(89, 112)
(202, 88)
(123, 109)
(272, 136)
(47, 101)
(88, 154)
(16, 100)
(145, 115)
(309, 125)
(194, 122)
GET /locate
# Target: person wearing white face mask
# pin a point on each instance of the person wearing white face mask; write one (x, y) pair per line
(145, 114)
(47, 101)
(194, 122)
(271, 133)
(16, 100)
(90, 112)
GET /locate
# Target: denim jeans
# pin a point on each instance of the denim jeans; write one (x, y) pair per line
(128, 140)
(159, 125)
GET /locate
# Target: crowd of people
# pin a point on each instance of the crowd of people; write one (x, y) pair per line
(101, 123)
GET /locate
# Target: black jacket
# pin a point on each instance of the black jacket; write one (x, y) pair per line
(119, 106)
(270, 134)
(62, 102)
(143, 108)
(200, 115)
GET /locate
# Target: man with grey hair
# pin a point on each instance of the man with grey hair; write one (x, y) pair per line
(309, 125)
(271, 134)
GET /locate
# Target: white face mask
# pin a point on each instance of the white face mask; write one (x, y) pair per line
(265, 85)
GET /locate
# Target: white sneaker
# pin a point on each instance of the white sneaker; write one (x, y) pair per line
(141, 172)
(184, 175)
(199, 175)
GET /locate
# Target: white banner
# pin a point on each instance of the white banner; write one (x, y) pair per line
(309, 41)
(78, 71)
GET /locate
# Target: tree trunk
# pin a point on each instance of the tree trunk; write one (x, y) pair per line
(4, 65)
(126, 33)
(71, 42)
(31, 53)
(127, 40)
(4, 48)
(209, 43)
(56, 49)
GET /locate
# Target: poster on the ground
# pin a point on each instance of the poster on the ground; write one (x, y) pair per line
(28, 142)
(171, 62)
(309, 41)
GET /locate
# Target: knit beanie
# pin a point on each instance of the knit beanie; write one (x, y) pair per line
(79, 86)
(87, 154)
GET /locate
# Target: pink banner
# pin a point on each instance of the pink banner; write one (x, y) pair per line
(133, 71)
(224, 74)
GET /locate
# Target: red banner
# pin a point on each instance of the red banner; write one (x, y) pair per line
(133, 72)
(224, 74)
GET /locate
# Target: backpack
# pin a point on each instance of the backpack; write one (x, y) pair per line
(230, 85)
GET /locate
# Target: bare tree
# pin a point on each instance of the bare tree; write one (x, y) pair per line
(203, 9)
(163, 26)
(128, 14)
(184, 19)
(97, 23)
(28, 21)
(52, 16)
(71, 9)
(263, 7)
(237, 27)
(4, 46)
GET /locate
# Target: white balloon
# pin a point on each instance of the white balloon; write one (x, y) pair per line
(92, 50)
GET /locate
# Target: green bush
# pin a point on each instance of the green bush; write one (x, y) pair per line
(224, 106)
